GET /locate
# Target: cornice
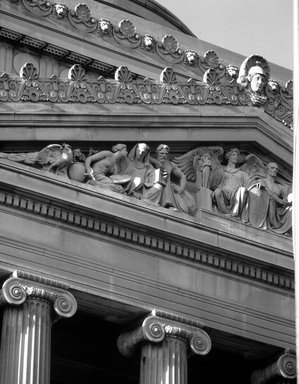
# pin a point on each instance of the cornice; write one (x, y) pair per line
(121, 38)
(154, 7)
(38, 196)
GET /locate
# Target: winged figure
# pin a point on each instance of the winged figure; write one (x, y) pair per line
(201, 165)
(53, 158)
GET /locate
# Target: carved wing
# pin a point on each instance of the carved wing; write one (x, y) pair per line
(253, 166)
(26, 158)
(50, 154)
(186, 162)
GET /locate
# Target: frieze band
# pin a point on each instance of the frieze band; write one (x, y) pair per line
(242, 188)
(217, 88)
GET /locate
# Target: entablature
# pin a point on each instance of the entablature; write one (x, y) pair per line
(210, 240)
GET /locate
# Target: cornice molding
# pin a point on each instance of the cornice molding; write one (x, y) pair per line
(77, 216)
(125, 34)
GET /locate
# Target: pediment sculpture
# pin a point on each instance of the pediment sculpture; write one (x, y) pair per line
(254, 76)
(197, 180)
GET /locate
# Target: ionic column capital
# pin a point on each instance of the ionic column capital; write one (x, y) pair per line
(22, 286)
(284, 366)
(160, 325)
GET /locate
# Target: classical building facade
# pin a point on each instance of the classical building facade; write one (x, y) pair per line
(145, 201)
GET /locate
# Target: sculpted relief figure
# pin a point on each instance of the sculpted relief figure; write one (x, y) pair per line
(230, 195)
(144, 183)
(173, 194)
(269, 204)
(195, 181)
(54, 158)
(253, 76)
(104, 168)
(201, 167)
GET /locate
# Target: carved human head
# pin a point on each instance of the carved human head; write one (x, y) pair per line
(256, 77)
(142, 150)
(233, 71)
(60, 10)
(191, 57)
(121, 148)
(272, 169)
(148, 41)
(233, 155)
(162, 152)
(104, 26)
(273, 85)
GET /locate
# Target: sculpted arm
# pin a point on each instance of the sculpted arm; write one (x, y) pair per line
(96, 157)
(180, 175)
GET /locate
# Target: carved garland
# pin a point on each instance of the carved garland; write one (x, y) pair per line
(125, 33)
(126, 90)
(154, 242)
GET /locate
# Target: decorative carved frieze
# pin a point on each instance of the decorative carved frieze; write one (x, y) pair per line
(126, 90)
(208, 66)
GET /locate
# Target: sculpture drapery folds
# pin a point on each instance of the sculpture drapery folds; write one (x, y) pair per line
(239, 187)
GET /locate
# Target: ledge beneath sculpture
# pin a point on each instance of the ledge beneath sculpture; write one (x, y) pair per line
(34, 192)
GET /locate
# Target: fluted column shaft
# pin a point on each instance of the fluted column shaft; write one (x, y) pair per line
(164, 363)
(165, 339)
(25, 344)
(25, 353)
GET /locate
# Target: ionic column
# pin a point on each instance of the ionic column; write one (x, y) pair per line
(31, 304)
(165, 340)
(284, 367)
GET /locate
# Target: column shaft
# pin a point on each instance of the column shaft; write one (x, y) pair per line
(164, 363)
(25, 343)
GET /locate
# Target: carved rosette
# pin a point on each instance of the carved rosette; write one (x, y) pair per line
(45, 7)
(169, 50)
(21, 286)
(126, 32)
(81, 17)
(156, 329)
